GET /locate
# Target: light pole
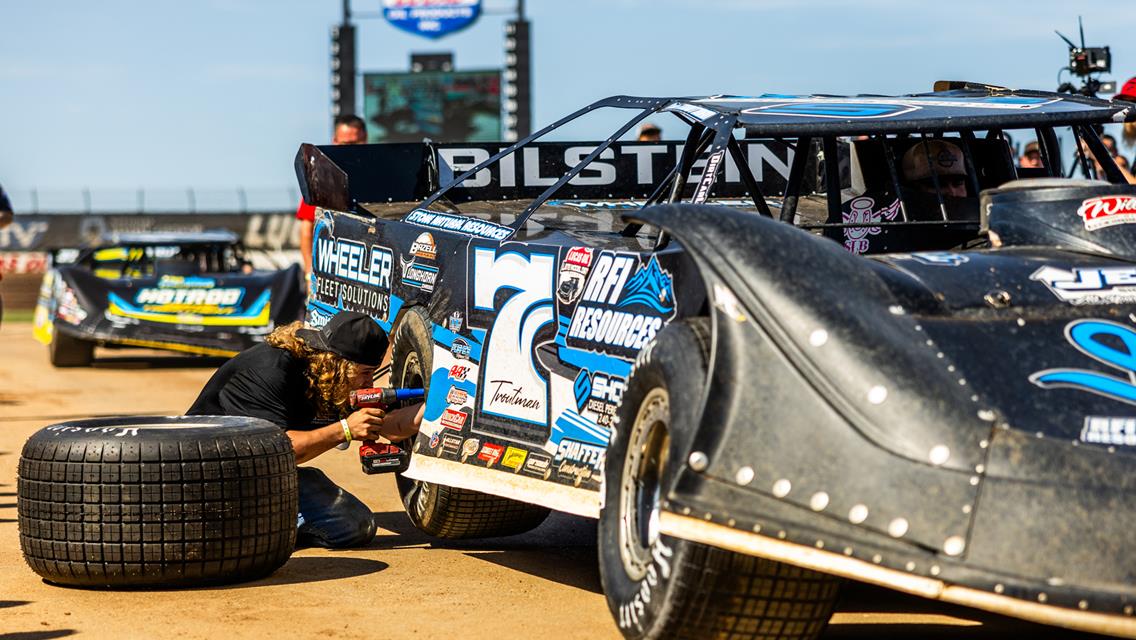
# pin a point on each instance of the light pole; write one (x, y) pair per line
(518, 77)
(343, 66)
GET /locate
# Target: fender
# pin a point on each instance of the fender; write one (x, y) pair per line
(837, 321)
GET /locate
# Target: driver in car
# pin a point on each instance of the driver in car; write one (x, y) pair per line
(947, 161)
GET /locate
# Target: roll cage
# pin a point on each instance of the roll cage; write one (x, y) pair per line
(821, 125)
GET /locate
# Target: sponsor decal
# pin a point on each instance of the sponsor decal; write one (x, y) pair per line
(1118, 431)
(624, 163)
(514, 458)
(424, 247)
(352, 297)
(1109, 285)
(1098, 339)
(317, 317)
(469, 447)
(218, 301)
(863, 210)
(418, 275)
(578, 461)
(350, 260)
(537, 464)
(457, 396)
(435, 440)
(579, 452)
(573, 274)
(351, 276)
(458, 224)
(459, 372)
(69, 309)
(709, 175)
(490, 453)
(505, 395)
(460, 349)
(624, 304)
(1107, 211)
(600, 394)
(453, 419)
(455, 322)
(451, 445)
(940, 258)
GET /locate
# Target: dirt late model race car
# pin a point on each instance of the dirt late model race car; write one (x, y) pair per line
(187, 292)
(820, 338)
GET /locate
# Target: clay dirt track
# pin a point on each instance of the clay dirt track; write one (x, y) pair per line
(544, 584)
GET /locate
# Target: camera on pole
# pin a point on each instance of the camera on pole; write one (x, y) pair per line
(342, 70)
(1083, 63)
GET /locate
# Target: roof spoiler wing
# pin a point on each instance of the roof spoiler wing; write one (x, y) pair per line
(340, 176)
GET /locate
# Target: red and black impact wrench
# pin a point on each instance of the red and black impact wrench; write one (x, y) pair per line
(382, 457)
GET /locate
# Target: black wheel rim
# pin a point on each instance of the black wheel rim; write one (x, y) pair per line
(640, 491)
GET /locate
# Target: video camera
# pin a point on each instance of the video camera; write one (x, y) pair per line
(1083, 63)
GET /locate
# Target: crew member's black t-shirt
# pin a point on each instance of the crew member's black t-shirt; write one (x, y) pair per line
(260, 382)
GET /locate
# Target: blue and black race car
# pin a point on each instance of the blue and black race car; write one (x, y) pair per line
(188, 292)
(819, 338)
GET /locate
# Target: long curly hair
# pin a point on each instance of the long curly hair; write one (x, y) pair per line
(329, 375)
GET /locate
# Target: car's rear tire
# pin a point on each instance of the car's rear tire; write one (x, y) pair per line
(440, 510)
(663, 587)
(157, 501)
(68, 351)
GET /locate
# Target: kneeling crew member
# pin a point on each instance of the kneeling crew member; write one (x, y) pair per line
(301, 379)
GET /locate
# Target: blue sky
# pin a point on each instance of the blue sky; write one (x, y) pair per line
(211, 94)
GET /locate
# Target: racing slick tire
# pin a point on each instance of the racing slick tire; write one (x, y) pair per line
(68, 351)
(663, 587)
(157, 501)
(440, 510)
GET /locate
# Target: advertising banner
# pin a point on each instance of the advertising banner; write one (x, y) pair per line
(431, 18)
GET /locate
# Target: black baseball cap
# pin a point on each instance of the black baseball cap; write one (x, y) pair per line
(350, 334)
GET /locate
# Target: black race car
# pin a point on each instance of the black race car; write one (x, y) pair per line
(822, 337)
(187, 292)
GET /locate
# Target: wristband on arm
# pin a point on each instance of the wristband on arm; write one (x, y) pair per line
(346, 435)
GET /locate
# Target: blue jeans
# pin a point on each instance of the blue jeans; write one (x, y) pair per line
(329, 516)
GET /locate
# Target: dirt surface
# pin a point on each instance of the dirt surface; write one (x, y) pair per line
(403, 585)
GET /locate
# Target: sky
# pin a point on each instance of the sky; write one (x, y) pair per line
(217, 95)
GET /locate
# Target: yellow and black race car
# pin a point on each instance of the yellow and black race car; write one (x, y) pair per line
(187, 292)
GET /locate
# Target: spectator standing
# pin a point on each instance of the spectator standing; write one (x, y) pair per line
(650, 132)
(349, 129)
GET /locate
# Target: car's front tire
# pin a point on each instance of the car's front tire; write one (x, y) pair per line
(663, 587)
(437, 509)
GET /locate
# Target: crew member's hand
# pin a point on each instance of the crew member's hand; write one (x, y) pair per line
(366, 423)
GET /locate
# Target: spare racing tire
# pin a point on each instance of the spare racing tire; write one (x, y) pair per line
(658, 586)
(440, 510)
(157, 501)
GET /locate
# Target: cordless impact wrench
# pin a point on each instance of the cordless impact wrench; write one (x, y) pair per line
(381, 457)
